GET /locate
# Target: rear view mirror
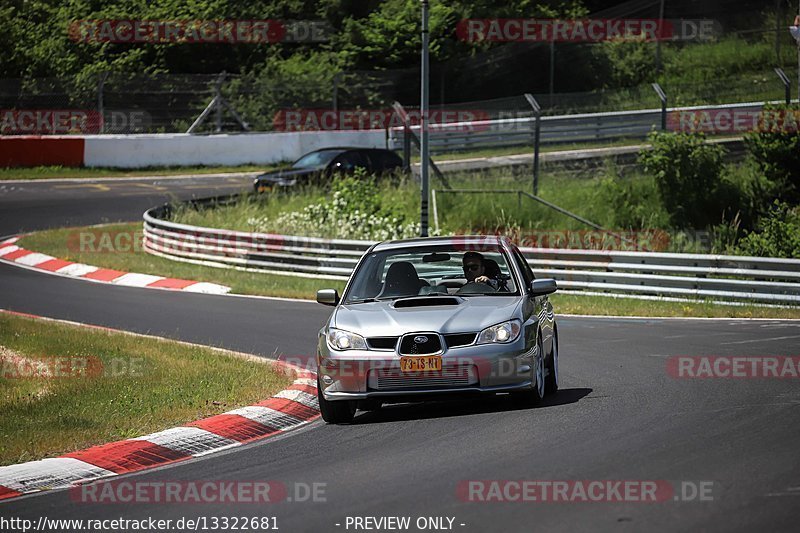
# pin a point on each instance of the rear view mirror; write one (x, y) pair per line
(328, 296)
(436, 257)
(540, 287)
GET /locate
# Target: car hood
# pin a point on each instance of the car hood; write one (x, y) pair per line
(288, 175)
(382, 319)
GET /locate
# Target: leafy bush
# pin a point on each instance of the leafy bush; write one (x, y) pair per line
(631, 203)
(629, 63)
(355, 210)
(778, 234)
(689, 176)
(776, 150)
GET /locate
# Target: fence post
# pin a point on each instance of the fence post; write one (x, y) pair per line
(537, 112)
(660, 36)
(662, 95)
(787, 85)
(336, 93)
(552, 68)
(218, 107)
(406, 147)
(101, 82)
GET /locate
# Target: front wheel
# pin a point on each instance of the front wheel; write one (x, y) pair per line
(339, 412)
(551, 368)
(535, 394)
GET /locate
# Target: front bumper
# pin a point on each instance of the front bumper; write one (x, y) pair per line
(411, 394)
(364, 374)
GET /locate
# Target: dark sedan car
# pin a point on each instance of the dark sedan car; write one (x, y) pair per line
(319, 165)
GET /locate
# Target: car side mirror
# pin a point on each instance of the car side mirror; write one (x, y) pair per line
(540, 287)
(328, 296)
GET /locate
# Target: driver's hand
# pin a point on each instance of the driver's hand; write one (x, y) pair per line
(482, 279)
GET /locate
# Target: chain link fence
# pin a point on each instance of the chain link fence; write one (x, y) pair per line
(750, 32)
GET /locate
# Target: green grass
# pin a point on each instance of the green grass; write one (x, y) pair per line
(145, 385)
(58, 172)
(62, 243)
(617, 306)
(457, 213)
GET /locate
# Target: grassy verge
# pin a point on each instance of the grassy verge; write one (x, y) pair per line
(61, 243)
(58, 172)
(608, 306)
(526, 150)
(132, 386)
(463, 213)
(54, 242)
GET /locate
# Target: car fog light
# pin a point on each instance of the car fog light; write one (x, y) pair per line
(327, 380)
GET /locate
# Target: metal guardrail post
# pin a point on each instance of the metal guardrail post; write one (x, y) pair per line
(663, 96)
(787, 85)
(537, 111)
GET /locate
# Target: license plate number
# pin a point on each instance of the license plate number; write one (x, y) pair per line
(421, 364)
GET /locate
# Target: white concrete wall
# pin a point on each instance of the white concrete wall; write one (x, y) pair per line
(180, 149)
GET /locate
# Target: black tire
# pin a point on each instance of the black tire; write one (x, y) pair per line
(339, 412)
(551, 367)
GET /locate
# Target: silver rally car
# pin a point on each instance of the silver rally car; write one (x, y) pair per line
(411, 326)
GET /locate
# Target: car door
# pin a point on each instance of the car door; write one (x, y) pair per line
(541, 305)
(348, 162)
(383, 161)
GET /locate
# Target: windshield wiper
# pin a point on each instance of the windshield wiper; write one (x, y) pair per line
(362, 301)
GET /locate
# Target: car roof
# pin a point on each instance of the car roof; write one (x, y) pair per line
(462, 240)
(347, 148)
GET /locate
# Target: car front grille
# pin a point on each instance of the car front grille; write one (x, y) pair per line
(382, 343)
(449, 377)
(459, 339)
(420, 344)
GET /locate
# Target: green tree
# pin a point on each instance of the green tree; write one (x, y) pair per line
(689, 175)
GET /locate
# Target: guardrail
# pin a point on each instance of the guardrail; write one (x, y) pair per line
(580, 128)
(721, 277)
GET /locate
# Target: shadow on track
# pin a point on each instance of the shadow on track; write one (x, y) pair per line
(463, 407)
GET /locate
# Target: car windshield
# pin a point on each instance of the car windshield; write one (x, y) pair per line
(316, 159)
(432, 270)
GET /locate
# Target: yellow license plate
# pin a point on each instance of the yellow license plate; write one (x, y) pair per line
(421, 363)
(264, 188)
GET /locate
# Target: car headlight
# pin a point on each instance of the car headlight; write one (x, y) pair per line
(501, 333)
(339, 339)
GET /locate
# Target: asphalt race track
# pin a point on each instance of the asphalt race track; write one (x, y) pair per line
(619, 416)
(32, 205)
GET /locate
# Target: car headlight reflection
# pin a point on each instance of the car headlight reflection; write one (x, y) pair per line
(500, 333)
(339, 339)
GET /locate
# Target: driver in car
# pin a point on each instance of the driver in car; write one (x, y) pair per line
(475, 270)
